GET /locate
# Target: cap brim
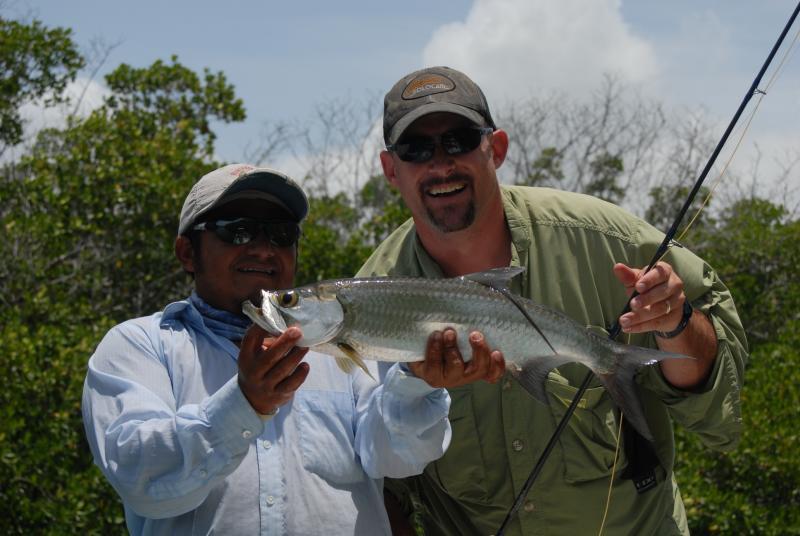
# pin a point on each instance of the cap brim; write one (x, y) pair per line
(448, 107)
(277, 189)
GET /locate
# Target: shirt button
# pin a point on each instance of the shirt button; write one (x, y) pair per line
(528, 506)
(247, 434)
(270, 500)
(506, 385)
(266, 444)
(517, 445)
(203, 473)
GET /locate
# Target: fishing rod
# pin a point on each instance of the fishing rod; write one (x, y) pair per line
(660, 252)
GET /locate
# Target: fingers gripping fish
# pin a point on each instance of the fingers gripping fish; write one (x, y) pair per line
(390, 319)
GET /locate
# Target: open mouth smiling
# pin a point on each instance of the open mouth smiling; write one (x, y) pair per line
(259, 271)
(447, 189)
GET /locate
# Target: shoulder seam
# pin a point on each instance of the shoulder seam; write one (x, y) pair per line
(586, 226)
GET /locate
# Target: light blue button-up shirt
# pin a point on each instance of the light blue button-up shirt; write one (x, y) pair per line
(173, 433)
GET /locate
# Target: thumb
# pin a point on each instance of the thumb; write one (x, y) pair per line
(627, 276)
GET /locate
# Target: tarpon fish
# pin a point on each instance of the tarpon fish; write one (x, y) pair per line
(391, 318)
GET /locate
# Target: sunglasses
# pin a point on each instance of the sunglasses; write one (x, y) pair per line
(457, 141)
(242, 231)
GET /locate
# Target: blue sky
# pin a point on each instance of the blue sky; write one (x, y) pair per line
(286, 57)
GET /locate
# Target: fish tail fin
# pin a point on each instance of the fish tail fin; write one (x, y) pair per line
(621, 384)
(618, 379)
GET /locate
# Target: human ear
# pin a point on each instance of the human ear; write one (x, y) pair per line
(387, 163)
(499, 145)
(184, 251)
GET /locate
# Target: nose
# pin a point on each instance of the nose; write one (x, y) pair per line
(442, 164)
(261, 246)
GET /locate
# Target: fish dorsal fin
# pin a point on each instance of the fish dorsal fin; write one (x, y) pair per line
(496, 278)
(499, 279)
(350, 358)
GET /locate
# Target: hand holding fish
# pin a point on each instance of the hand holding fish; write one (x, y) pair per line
(444, 367)
(270, 370)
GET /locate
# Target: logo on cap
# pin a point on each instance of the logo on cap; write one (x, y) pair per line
(241, 170)
(427, 84)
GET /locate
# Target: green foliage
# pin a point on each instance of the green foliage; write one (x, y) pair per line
(546, 169)
(340, 233)
(605, 172)
(755, 247)
(49, 483)
(330, 247)
(90, 216)
(35, 62)
(667, 201)
(756, 488)
(174, 97)
(93, 209)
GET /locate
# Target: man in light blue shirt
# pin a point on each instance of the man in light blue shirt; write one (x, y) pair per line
(204, 424)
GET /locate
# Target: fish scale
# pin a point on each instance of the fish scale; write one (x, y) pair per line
(391, 318)
(375, 314)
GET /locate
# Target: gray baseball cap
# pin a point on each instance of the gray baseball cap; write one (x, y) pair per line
(435, 89)
(242, 181)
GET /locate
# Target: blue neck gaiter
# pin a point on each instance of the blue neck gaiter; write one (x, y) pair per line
(222, 323)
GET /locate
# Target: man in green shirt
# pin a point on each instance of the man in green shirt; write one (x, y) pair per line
(581, 256)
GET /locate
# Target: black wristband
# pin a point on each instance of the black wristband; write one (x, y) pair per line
(687, 314)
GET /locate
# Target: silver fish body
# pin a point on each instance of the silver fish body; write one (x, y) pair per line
(391, 318)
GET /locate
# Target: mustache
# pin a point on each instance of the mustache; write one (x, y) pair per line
(261, 264)
(431, 182)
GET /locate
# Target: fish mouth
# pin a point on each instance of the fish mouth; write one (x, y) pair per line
(266, 316)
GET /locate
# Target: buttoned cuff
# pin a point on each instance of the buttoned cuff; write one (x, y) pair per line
(233, 418)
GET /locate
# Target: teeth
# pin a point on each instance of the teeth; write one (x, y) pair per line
(258, 271)
(445, 189)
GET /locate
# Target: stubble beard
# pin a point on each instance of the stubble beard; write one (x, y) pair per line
(452, 219)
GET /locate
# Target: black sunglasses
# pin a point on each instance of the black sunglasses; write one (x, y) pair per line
(457, 141)
(244, 230)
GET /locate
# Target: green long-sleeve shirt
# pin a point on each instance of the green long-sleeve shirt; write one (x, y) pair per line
(568, 244)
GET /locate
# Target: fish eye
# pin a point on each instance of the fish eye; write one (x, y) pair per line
(288, 298)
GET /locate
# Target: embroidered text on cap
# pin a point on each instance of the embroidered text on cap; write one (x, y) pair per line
(427, 84)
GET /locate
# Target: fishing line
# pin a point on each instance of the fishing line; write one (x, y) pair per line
(615, 329)
(614, 466)
(613, 473)
(745, 128)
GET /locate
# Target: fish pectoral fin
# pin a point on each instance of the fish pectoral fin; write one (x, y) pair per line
(531, 373)
(344, 363)
(350, 358)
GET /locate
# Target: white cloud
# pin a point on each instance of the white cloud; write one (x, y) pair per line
(515, 48)
(84, 96)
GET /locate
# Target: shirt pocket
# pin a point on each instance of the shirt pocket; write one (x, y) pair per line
(589, 442)
(461, 471)
(325, 427)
